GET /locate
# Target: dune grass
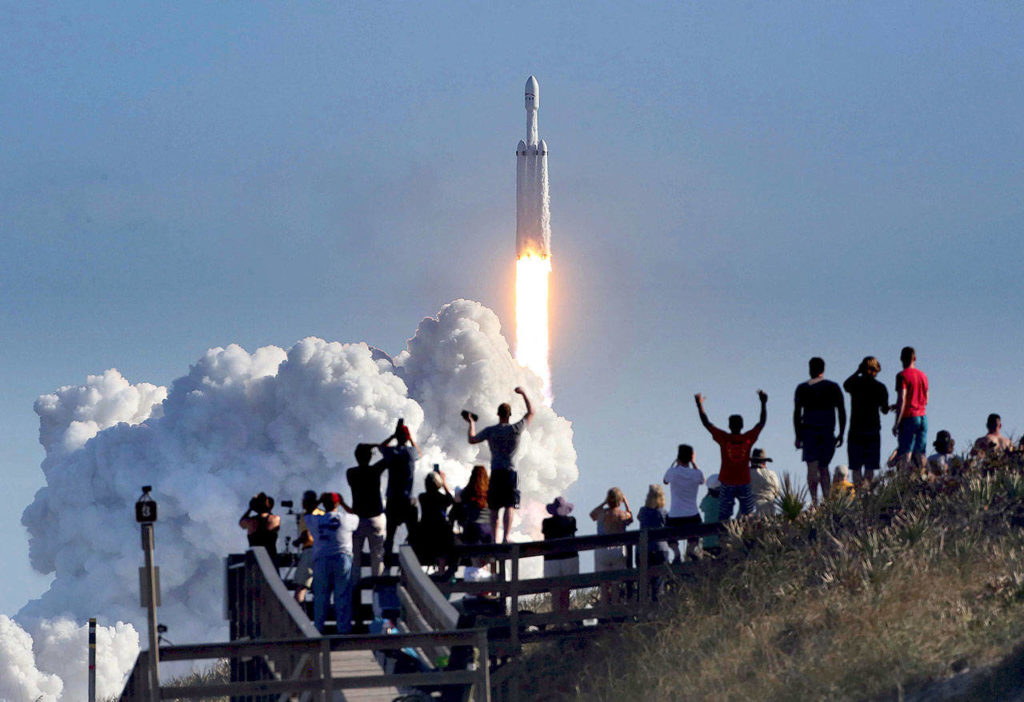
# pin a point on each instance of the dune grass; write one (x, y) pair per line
(869, 597)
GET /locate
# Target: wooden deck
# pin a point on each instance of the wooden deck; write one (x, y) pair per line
(347, 664)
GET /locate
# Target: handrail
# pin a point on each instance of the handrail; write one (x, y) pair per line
(529, 549)
(434, 607)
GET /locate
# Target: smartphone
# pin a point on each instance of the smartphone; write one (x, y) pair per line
(437, 468)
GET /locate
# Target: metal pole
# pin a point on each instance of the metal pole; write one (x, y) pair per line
(154, 644)
(92, 659)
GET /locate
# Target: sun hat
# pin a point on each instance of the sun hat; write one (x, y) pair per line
(560, 507)
(759, 456)
(714, 483)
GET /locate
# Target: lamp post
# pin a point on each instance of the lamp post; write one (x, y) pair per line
(145, 514)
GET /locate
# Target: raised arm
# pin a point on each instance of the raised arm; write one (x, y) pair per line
(699, 399)
(471, 435)
(529, 408)
(763, 397)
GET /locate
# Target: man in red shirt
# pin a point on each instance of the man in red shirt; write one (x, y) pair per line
(911, 427)
(735, 446)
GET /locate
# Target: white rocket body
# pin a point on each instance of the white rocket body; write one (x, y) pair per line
(533, 214)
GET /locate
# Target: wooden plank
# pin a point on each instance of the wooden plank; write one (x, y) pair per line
(431, 603)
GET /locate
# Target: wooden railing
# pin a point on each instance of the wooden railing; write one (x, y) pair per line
(507, 633)
(276, 650)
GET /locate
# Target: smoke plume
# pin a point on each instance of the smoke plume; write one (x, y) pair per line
(277, 420)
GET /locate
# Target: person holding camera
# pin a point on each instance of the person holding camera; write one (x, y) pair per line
(364, 481)
(332, 561)
(304, 568)
(503, 440)
(261, 526)
(868, 397)
(400, 460)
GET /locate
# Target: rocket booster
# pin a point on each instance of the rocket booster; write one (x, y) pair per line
(533, 215)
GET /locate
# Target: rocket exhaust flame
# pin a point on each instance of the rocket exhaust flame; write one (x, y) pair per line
(533, 245)
(532, 272)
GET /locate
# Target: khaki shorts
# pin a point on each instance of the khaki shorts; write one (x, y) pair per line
(304, 569)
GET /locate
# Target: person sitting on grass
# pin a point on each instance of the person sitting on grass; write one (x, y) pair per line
(993, 443)
(653, 516)
(764, 482)
(943, 462)
(709, 508)
(560, 525)
(841, 484)
(612, 517)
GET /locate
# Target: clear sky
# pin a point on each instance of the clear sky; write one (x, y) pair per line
(735, 188)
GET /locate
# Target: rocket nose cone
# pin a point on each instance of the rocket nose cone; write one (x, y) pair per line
(542, 147)
(521, 148)
(532, 92)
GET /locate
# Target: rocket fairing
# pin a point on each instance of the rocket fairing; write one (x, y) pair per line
(533, 214)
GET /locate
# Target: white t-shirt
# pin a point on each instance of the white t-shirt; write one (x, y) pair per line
(332, 532)
(684, 481)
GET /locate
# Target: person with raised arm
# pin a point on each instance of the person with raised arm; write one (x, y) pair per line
(868, 398)
(503, 440)
(400, 460)
(735, 447)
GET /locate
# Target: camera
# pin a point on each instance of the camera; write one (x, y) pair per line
(287, 503)
(466, 414)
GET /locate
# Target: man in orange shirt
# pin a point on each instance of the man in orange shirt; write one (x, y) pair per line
(735, 446)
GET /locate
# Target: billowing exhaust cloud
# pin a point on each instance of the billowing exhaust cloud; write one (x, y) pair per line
(276, 420)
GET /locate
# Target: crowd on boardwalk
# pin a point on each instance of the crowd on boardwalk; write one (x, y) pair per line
(333, 532)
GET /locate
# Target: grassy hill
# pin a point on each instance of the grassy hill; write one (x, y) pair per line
(912, 591)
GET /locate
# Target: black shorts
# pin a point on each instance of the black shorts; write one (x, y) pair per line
(678, 522)
(819, 445)
(401, 510)
(865, 452)
(504, 489)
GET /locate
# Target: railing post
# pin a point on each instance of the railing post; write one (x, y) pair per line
(643, 556)
(513, 591)
(325, 670)
(483, 668)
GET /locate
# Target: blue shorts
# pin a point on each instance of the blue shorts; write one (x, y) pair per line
(913, 436)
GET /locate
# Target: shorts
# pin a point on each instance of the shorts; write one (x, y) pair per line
(613, 558)
(913, 435)
(819, 446)
(400, 510)
(304, 569)
(864, 452)
(679, 522)
(504, 489)
(561, 566)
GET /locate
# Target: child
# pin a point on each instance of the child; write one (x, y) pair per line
(942, 461)
(841, 484)
(709, 508)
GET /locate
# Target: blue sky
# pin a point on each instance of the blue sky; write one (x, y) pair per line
(735, 188)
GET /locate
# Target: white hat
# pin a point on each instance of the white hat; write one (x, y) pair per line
(714, 483)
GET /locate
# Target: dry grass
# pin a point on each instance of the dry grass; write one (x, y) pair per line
(862, 598)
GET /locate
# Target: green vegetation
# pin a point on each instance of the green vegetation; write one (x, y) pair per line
(877, 596)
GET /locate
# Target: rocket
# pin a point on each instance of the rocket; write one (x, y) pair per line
(533, 214)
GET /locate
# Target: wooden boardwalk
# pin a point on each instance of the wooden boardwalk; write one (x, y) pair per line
(348, 664)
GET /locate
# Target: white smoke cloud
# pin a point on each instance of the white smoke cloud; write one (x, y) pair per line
(276, 420)
(20, 679)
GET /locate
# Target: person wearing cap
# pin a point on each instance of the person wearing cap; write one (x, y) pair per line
(868, 398)
(841, 484)
(332, 561)
(816, 403)
(684, 478)
(709, 508)
(400, 460)
(503, 441)
(764, 482)
(304, 568)
(943, 462)
(735, 446)
(560, 525)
